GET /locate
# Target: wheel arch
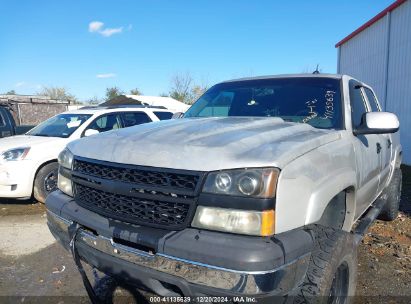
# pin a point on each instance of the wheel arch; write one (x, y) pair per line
(41, 166)
(38, 192)
(329, 195)
(339, 210)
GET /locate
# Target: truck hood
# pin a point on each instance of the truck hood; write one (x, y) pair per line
(21, 141)
(206, 144)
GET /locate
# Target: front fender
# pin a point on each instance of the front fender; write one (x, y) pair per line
(307, 184)
(331, 185)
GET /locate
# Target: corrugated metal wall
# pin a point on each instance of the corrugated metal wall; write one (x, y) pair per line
(399, 74)
(387, 69)
(364, 56)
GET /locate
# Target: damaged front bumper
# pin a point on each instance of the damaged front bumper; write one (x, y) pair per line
(158, 270)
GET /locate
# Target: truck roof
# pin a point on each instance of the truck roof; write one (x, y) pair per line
(334, 76)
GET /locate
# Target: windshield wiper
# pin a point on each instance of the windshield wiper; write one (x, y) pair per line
(39, 134)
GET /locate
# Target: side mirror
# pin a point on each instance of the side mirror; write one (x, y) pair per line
(378, 123)
(90, 132)
(177, 115)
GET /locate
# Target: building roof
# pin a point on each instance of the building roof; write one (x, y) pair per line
(371, 21)
(16, 98)
(159, 101)
(156, 101)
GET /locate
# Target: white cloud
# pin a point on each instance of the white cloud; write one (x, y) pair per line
(95, 26)
(19, 84)
(107, 75)
(27, 85)
(98, 27)
(111, 31)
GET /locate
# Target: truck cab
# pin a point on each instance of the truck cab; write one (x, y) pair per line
(8, 125)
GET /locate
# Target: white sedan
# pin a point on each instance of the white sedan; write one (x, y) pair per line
(28, 163)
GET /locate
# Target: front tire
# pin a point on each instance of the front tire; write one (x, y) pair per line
(393, 192)
(45, 181)
(332, 271)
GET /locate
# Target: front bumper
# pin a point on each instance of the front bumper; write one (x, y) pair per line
(16, 179)
(159, 270)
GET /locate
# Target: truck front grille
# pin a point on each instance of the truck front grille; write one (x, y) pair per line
(156, 197)
(133, 209)
(138, 176)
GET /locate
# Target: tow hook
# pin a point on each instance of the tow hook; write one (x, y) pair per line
(73, 229)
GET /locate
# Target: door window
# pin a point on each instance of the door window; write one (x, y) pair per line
(358, 107)
(106, 122)
(2, 124)
(163, 115)
(375, 107)
(134, 118)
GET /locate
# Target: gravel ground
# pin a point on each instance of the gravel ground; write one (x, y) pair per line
(35, 269)
(384, 270)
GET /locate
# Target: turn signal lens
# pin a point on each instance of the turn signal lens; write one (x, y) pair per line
(267, 223)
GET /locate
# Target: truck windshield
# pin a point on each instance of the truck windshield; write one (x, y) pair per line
(312, 100)
(62, 125)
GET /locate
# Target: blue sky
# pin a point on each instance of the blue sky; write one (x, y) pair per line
(144, 43)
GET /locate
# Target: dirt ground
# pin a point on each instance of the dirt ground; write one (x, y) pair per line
(35, 269)
(384, 257)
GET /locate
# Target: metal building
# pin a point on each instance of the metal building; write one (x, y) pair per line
(379, 54)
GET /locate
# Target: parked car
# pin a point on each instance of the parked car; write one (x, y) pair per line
(8, 126)
(28, 163)
(263, 189)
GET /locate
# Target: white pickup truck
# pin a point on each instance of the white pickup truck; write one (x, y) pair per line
(262, 189)
(28, 163)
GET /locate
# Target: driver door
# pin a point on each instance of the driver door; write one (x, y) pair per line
(367, 150)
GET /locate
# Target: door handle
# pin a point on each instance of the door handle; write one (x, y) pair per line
(389, 143)
(378, 148)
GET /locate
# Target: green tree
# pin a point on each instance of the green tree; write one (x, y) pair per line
(181, 87)
(11, 92)
(113, 92)
(136, 91)
(196, 92)
(58, 93)
(185, 90)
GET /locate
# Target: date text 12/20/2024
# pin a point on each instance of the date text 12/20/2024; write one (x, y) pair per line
(202, 299)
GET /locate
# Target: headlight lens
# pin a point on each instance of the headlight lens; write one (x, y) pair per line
(65, 158)
(259, 223)
(65, 185)
(256, 182)
(15, 154)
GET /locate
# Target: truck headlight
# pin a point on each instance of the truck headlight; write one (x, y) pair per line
(259, 223)
(64, 183)
(65, 159)
(255, 182)
(15, 154)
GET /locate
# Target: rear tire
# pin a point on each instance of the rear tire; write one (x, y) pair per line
(45, 181)
(332, 271)
(393, 192)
